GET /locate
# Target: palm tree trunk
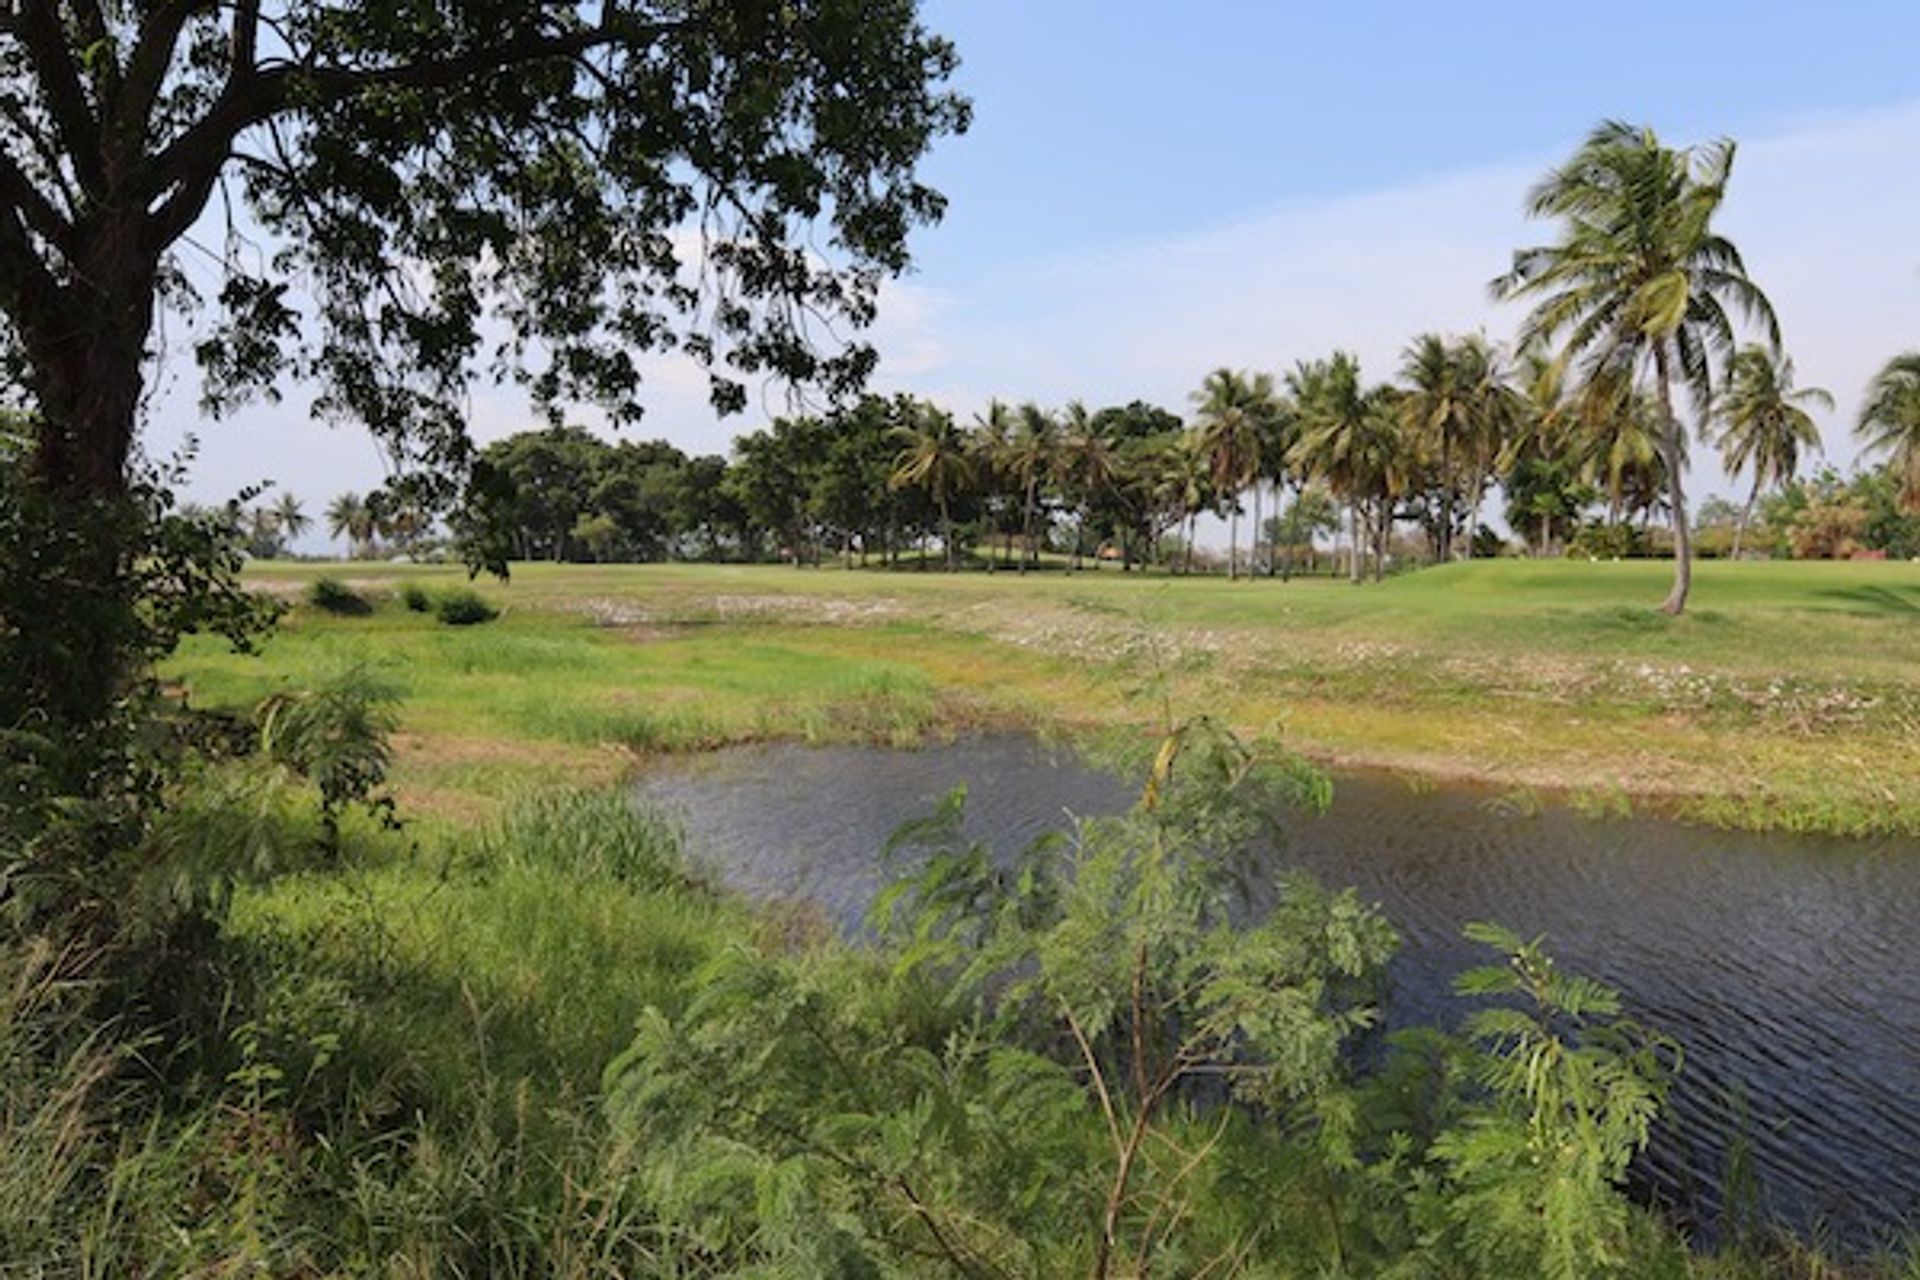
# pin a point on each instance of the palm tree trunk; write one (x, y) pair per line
(1383, 526)
(1253, 543)
(1353, 538)
(1026, 530)
(1233, 540)
(1192, 516)
(1676, 601)
(1446, 495)
(1746, 514)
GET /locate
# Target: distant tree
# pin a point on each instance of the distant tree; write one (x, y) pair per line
(1232, 410)
(1764, 425)
(264, 535)
(992, 444)
(348, 517)
(293, 519)
(1130, 508)
(934, 458)
(1640, 283)
(1312, 512)
(1340, 437)
(1459, 404)
(1032, 458)
(1085, 468)
(1890, 423)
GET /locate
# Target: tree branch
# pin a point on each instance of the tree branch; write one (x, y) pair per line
(18, 192)
(147, 66)
(46, 43)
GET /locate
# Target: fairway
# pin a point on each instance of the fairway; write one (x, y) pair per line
(1786, 697)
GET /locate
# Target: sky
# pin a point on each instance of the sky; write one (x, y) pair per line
(1153, 191)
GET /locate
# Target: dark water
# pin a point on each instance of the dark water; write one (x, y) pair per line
(1787, 967)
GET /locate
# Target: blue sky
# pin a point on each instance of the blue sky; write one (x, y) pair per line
(1104, 120)
(1151, 191)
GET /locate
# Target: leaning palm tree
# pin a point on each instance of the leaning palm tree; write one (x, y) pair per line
(1031, 459)
(934, 458)
(1231, 415)
(1639, 283)
(1764, 424)
(1890, 423)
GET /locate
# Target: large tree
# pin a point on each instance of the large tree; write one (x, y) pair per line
(1639, 283)
(395, 198)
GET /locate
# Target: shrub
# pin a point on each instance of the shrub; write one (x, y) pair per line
(464, 608)
(337, 597)
(415, 598)
(1606, 542)
(336, 736)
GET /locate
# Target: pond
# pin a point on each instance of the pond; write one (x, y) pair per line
(1786, 966)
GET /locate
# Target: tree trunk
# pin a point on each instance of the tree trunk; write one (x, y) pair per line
(1746, 514)
(1233, 540)
(77, 521)
(1253, 543)
(1192, 517)
(1676, 602)
(1383, 527)
(1026, 530)
(1446, 496)
(1353, 536)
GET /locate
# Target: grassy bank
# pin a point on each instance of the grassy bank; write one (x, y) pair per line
(1787, 697)
(412, 1077)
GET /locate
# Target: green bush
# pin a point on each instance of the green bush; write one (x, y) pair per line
(1607, 542)
(464, 608)
(415, 598)
(337, 597)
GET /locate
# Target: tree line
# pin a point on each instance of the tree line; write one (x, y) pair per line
(1404, 467)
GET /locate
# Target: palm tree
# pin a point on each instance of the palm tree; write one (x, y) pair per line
(1765, 424)
(1337, 424)
(1639, 282)
(992, 460)
(1232, 411)
(936, 459)
(1460, 404)
(1084, 466)
(1278, 450)
(1187, 484)
(293, 519)
(1031, 460)
(350, 517)
(1890, 423)
(1618, 437)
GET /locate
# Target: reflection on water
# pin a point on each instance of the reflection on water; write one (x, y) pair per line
(1786, 966)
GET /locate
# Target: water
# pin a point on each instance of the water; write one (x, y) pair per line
(1787, 967)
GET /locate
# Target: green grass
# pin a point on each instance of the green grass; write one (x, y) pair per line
(441, 1006)
(1786, 696)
